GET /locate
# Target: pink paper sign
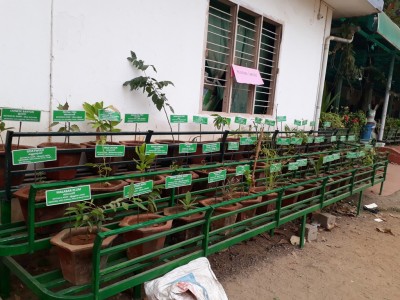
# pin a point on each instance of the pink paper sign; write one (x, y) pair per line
(247, 75)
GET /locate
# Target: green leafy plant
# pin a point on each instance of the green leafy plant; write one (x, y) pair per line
(103, 170)
(92, 114)
(2, 129)
(317, 165)
(151, 86)
(328, 100)
(334, 118)
(229, 187)
(144, 160)
(220, 122)
(188, 202)
(67, 127)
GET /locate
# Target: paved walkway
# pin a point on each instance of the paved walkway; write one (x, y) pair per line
(392, 183)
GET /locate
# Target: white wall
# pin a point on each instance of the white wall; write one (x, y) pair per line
(92, 38)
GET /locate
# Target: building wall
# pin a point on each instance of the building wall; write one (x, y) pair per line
(55, 50)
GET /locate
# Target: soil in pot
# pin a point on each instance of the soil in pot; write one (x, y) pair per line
(265, 208)
(75, 251)
(147, 247)
(250, 212)
(176, 223)
(63, 160)
(41, 214)
(90, 158)
(15, 179)
(221, 210)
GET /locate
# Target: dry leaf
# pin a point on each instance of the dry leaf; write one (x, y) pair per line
(393, 216)
(385, 230)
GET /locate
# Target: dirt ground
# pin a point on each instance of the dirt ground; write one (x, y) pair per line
(353, 261)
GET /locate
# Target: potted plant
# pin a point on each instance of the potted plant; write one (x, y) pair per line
(63, 159)
(16, 179)
(152, 245)
(247, 190)
(228, 190)
(75, 245)
(92, 114)
(185, 204)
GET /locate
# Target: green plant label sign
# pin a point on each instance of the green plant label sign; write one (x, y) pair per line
(109, 150)
(312, 123)
(68, 116)
(233, 146)
(378, 145)
(178, 181)
(240, 120)
(351, 155)
(336, 156)
(342, 138)
(211, 147)
(304, 122)
(216, 176)
(328, 158)
(140, 188)
(200, 120)
(20, 115)
(179, 119)
(302, 162)
(109, 115)
(158, 149)
(281, 118)
(33, 155)
(68, 195)
(187, 148)
(297, 122)
(293, 166)
(367, 146)
(319, 139)
(275, 167)
(240, 170)
(351, 138)
(310, 139)
(136, 118)
(333, 138)
(249, 140)
(283, 141)
(270, 122)
(257, 120)
(296, 141)
(361, 154)
(327, 124)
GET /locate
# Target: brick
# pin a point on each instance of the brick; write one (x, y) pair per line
(326, 220)
(311, 233)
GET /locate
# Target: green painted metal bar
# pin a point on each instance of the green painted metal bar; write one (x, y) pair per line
(5, 282)
(359, 203)
(302, 231)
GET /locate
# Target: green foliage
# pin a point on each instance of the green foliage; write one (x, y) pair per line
(86, 213)
(248, 178)
(188, 202)
(102, 168)
(317, 165)
(92, 114)
(334, 118)
(392, 9)
(220, 121)
(149, 85)
(144, 160)
(392, 123)
(67, 126)
(328, 100)
(2, 129)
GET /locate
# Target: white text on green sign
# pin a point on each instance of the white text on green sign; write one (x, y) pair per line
(200, 120)
(240, 120)
(283, 141)
(297, 122)
(233, 146)
(179, 119)
(257, 120)
(270, 122)
(187, 148)
(136, 118)
(211, 147)
(302, 162)
(68, 195)
(109, 115)
(33, 155)
(21, 115)
(178, 181)
(281, 118)
(240, 170)
(156, 149)
(296, 141)
(68, 116)
(140, 188)
(310, 139)
(109, 150)
(351, 138)
(293, 166)
(249, 140)
(319, 139)
(216, 176)
(275, 167)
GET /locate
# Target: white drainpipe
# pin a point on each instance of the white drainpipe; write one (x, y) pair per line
(323, 73)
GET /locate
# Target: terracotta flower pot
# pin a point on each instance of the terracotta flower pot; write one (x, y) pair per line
(15, 179)
(63, 160)
(289, 191)
(187, 233)
(75, 251)
(307, 186)
(41, 214)
(265, 208)
(147, 247)
(221, 210)
(90, 157)
(250, 212)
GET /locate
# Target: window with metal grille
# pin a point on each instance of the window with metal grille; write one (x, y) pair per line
(241, 37)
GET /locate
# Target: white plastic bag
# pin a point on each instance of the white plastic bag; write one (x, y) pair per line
(193, 281)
